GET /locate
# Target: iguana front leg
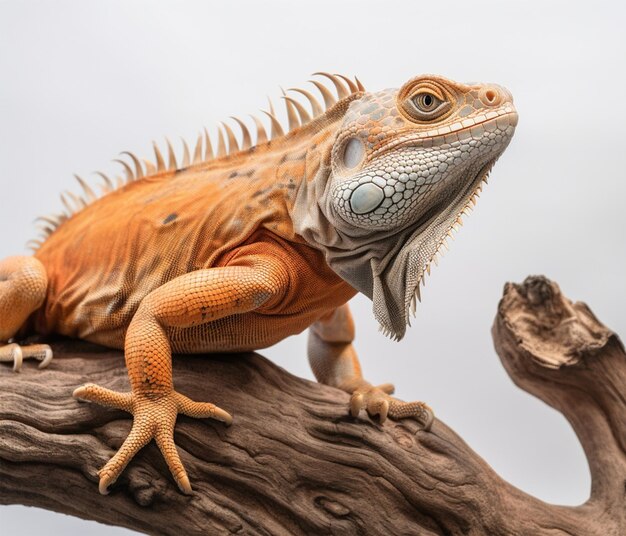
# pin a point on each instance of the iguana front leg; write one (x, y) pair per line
(192, 299)
(334, 362)
(23, 283)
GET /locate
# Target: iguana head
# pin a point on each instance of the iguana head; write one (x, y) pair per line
(405, 164)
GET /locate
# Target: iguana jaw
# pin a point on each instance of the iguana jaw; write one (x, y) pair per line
(399, 259)
(397, 279)
(404, 242)
(452, 218)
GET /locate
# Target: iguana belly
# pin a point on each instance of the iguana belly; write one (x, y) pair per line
(104, 312)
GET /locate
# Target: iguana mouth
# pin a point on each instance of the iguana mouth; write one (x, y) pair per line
(435, 139)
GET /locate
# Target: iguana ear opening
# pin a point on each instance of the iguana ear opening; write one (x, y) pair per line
(353, 153)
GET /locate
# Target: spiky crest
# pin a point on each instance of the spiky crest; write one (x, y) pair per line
(297, 117)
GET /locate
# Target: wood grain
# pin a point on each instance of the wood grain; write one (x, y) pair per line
(295, 462)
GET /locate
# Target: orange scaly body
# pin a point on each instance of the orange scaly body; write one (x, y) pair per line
(109, 256)
(240, 251)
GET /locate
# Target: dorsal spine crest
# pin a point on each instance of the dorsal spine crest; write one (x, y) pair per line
(227, 145)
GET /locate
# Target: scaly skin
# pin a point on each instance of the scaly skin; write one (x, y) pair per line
(237, 252)
(23, 283)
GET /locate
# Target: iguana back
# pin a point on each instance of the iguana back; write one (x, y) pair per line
(104, 259)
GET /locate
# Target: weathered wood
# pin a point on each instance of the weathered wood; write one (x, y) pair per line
(294, 462)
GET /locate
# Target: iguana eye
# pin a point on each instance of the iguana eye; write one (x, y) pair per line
(426, 106)
(426, 102)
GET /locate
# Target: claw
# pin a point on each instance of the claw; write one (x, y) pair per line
(18, 357)
(16, 353)
(223, 416)
(184, 485)
(356, 404)
(103, 485)
(45, 361)
(12, 353)
(384, 410)
(430, 417)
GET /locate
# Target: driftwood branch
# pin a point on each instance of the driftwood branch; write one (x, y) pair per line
(294, 462)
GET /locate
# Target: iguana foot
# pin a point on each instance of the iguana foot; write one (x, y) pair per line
(377, 400)
(153, 418)
(16, 354)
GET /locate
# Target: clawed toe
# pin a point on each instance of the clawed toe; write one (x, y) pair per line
(426, 416)
(15, 353)
(106, 479)
(377, 401)
(417, 410)
(152, 419)
(103, 396)
(357, 403)
(199, 410)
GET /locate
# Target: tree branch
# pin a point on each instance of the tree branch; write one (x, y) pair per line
(295, 462)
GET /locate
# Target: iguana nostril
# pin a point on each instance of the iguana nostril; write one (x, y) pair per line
(490, 96)
(366, 197)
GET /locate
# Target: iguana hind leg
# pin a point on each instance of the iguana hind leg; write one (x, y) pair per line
(189, 300)
(23, 284)
(334, 362)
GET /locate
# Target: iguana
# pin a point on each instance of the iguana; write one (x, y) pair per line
(237, 251)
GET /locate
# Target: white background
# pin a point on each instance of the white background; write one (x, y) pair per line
(82, 81)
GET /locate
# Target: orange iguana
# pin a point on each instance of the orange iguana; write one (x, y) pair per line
(238, 251)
